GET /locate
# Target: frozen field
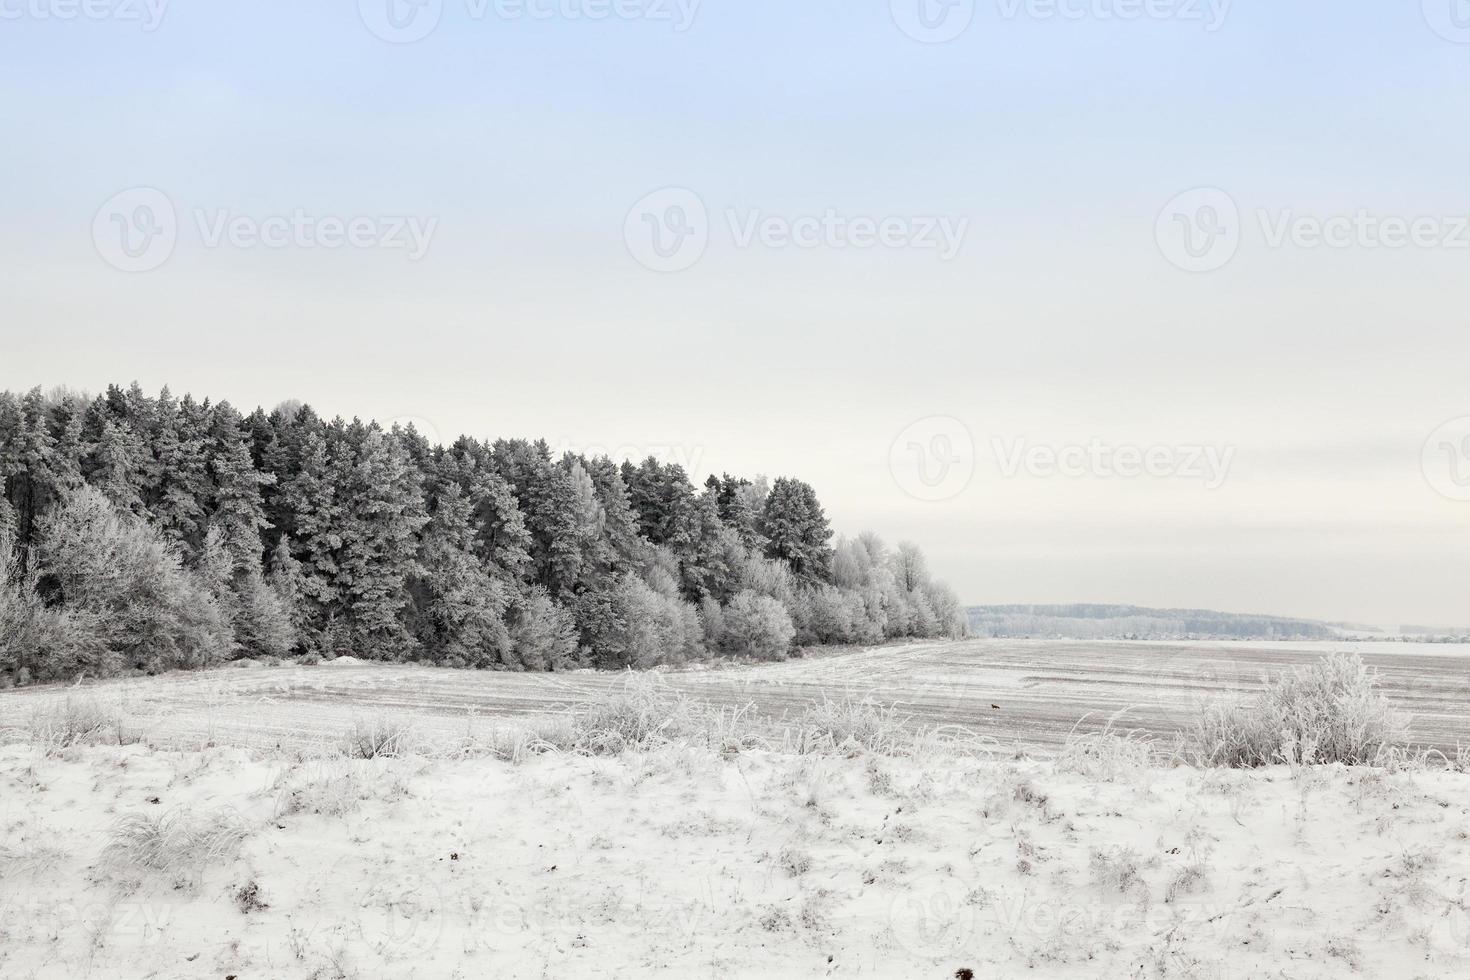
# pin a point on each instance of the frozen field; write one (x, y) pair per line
(680, 862)
(237, 835)
(1032, 692)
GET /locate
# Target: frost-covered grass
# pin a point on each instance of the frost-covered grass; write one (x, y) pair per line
(647, 833)
(677, 859)
(1327, 713)
(179, 839)
(378, 737)
(79, 720)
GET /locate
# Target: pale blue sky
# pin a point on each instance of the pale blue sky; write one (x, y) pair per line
(1060, 320)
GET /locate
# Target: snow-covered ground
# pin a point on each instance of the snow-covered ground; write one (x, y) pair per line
(1363, 647)
(1033, 692)
(230, 835)
(681, 862)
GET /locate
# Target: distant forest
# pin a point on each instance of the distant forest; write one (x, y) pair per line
(149, 533)
(1104, 622)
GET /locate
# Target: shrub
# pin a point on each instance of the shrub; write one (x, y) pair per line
(543, 635)
(830, 616)
(756, 626)
(113, 570)
(40, 642)
(1328, 713)
(656, 628)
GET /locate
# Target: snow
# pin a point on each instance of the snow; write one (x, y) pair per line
(682, 863)
(1031, 692)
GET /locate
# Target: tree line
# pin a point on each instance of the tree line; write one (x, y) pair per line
(149, 533)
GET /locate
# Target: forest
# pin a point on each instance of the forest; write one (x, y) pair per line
(142, 534)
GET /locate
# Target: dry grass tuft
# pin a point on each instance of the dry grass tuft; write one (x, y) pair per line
(175, 841)
(378, 737)
(76, 720)
(643, 714)
(1117, 869)
(1109, 755)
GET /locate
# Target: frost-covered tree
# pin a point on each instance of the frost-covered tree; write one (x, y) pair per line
(756, 626)
(458, 607)
(543, 635)
(382, 515)
(176, 501)
(109, 566)
(305, 535)
(797, 531)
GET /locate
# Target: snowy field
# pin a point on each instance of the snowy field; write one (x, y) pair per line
(686, 863)
(238, 834)
(1032, 692)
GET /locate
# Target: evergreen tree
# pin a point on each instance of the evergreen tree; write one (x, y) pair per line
(620, 524)
(663, 500)
(382, 515)
(68, 421)
(711, 567)
(300, 534)
(34, 477)
(177, 500)
(797, 531)
(316, 517)
(458, 613)
(286, 580)
(236, 505)
(735, 497)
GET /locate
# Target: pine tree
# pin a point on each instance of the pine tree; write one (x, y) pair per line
(316, 517)
(68, 422)
(383, 513)
(458, 612)
(342, 537)
(711, 567)
(546, 497)
(735, 498)
(620, 524)
(663, 499)
(236, 505)
(285, 579)
(797, 530)
(32, 482)
(501, 539)
(178, 499)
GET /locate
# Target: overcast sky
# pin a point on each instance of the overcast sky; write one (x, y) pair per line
(908, 254)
